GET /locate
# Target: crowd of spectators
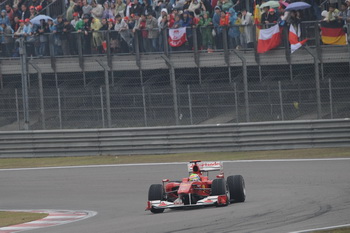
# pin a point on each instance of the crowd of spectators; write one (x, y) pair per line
(145, 21)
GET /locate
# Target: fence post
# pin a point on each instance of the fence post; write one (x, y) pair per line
(330, 97)
(24, 71)
(173, 85)
(196, 53)
(281, 99)
(59, 107)
(317, 80)
(245, 83)
(190, 103)
(236, 100)
(108, 97)
(165, 42)
(102, 108)
(41, 95)
(144, 105)
(226, 52)
(17, 110)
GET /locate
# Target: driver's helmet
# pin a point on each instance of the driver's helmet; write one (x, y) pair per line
(194, 177)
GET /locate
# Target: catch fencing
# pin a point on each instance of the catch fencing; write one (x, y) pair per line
(175, 88)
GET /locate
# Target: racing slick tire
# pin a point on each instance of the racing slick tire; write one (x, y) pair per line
(236, 187)
(156, 192)
(219, 188)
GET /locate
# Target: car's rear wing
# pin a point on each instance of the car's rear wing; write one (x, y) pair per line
(207, 166)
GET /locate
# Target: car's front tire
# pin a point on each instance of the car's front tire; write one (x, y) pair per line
(156, 192)
(236, 186)
(219, 188)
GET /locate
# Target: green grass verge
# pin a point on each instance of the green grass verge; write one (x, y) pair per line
(13, 218)
(249, 155)
(340, 230)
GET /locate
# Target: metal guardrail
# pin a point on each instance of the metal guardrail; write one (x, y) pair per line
(163, 140)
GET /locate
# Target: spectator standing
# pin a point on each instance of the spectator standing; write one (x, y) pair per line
(28, 33)
(16, 12)
(86, 8)
(138, 33)
(4, 18)
(25, 12)
(146, 8)
(70, 10)
(17, 35)
(123, 29)
(96, 34)
(144, 34)
(264, 16)
(15, 25)
(78, 8)
(247, 22)
(225, 5)
(217, 28)
(107, 12)
(196, 5)
(272, 16)
(85, 28)
(344, 14)
(135, 8)
(163, 26)
(6, 41)
(206, 28)
(153, 32)
(43, 40)
(120, 8)
(333, 13)
(32, 12)
(233, 31)
(9, 13)
(68, 42)
(75, 20)
(97, 10)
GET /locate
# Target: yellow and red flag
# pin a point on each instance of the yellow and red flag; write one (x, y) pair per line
(333, 33)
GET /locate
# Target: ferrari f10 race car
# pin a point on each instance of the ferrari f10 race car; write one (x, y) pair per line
(197, 190)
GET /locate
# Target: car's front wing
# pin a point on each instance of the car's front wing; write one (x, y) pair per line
(210, 200)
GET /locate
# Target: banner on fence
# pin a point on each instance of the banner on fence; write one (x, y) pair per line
(177, 37)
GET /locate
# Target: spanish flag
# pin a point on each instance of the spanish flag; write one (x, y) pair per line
(333, 33)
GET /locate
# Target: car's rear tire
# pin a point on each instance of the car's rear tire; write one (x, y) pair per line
(156, 192)
(236, 186)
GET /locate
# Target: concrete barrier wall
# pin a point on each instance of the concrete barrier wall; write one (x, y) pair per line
(163, 140)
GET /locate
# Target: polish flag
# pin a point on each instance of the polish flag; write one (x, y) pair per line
(177, 37)
(269, 38)
(294, 39)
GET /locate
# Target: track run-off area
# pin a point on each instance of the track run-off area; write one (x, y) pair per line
(282, 196)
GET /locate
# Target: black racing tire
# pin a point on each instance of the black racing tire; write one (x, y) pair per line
(218, 187)
(236, 186)
(156, 192)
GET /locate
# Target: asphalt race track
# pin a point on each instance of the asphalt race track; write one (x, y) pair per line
(281, 197)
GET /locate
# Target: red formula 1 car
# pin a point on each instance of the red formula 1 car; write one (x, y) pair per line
(201, 192)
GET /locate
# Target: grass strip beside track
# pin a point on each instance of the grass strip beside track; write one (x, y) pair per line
(8, 218)
(125, 159)
(340, 230)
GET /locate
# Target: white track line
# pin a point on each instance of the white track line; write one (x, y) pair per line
(323, 228)
(173, 163)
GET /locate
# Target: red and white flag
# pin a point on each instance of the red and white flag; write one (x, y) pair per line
(177, 37)
(294, 39)
(269, 38)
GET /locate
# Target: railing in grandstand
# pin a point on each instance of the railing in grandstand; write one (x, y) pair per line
(129, 42)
